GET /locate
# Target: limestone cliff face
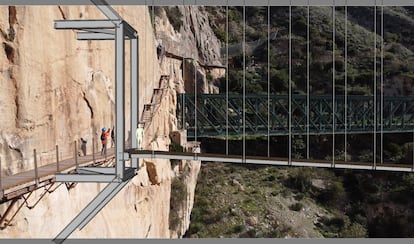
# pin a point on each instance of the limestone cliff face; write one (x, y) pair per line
(193, 38)
(195, 43)
(55, 90)
(196, 40)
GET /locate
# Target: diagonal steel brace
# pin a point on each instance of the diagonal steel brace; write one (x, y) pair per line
(91, 209)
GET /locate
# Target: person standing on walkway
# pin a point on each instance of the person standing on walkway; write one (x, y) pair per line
(159, 50)
(140, 136)
(83, 145)
(104, 139)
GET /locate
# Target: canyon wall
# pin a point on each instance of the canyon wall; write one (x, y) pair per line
(55, 90)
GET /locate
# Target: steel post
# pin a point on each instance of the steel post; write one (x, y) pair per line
(119, 99)
(35, 167)
(76, 155)
(57, 159)
(93, 149)
(1, 183)
(134, 96)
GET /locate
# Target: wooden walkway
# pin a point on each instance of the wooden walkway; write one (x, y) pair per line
(21, 183)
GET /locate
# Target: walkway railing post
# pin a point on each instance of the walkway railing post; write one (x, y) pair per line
(105, 154)
(35, 167)
(76, 155)
(93, 150)
(1, 183)
(57, 159)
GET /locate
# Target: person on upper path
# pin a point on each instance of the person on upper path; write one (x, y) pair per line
(104, 139)
(83, 145)
(140, 135)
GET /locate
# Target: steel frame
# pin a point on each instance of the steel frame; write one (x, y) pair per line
(211, 115)
(239, 159)
(117, 29)
(114, 28)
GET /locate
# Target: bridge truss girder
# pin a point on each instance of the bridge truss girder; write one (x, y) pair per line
(357, 116)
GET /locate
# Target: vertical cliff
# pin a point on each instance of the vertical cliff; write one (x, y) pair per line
(55, 90)
(186, 35)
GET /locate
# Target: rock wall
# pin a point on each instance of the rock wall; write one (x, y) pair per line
(56, 90)
(194, 43)
(196, 40)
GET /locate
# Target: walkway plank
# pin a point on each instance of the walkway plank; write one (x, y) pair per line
(24, 180)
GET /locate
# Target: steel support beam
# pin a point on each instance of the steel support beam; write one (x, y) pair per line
(85, 24)
(91, 209)
(134, 95)
(266, 161)
(87, 36)
(96, 170)
(129, 173)
(82, 36)
(119, 100)
(129, 30)
(107, 10)
(104, 31)
(85, 178)
(102, 204)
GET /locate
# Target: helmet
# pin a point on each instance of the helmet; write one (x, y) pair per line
(104, 129)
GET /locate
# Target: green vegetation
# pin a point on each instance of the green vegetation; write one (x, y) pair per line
(175, 16)
(177, 201)
(357, 204)
(296, 206)
(228, 195)
(175, 147)
(398, 52)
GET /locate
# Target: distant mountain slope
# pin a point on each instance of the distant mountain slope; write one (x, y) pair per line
(279, 202)
(398, 50)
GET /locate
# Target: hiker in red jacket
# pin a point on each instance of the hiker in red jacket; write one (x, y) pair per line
(104, 139)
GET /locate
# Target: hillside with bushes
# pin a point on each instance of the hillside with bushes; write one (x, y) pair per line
(258, 201)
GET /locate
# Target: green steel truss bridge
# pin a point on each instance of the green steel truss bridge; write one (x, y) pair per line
(269, 115)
